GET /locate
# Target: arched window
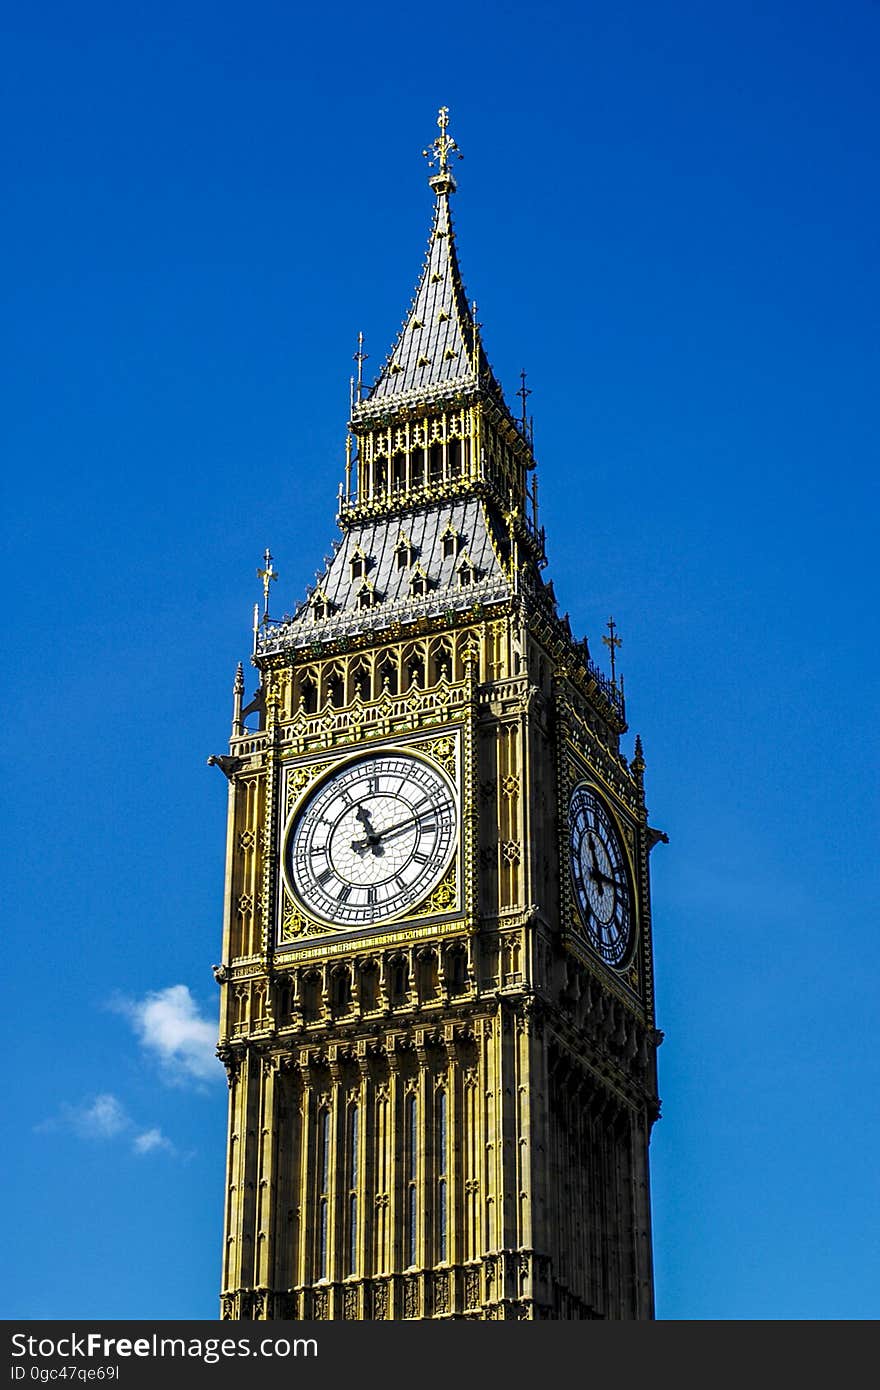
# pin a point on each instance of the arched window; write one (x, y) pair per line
(323, 1156)
(441, 663)
(411, 1150)
(360, 681)
(340, 991)
(398, 472)
(440, 1150)
(335, 688)
(435, 463)
(351, 1164)
(456, 969)
(449, 540)
(388, 677)
(399, 980)
(308, 694)
(310, 994)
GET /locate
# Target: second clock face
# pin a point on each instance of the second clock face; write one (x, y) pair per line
(599, 875)
(372, 839)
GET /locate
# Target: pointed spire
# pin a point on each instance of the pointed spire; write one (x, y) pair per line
(438, 345)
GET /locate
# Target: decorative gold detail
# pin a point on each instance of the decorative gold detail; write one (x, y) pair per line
(294, 924)
(442, 750)
(510, 786)
(438, 153)
(300, 777)
(444, 898)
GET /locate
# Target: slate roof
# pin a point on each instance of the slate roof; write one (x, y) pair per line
(423, 529)
(435, 346)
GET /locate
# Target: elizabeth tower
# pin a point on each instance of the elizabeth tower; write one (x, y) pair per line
(436, 1013)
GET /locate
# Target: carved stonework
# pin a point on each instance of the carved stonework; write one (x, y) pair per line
(380, 1301)
(411, 1297)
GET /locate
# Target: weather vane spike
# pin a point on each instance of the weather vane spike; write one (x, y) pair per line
(439, 152)
(268, 575)
(360, 357)
(524, 392)
(611, 642)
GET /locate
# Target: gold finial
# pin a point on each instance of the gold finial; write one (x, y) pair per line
(611, 642)
(268, 575)
(438, 153)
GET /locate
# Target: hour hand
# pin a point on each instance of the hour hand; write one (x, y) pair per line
(371, 839)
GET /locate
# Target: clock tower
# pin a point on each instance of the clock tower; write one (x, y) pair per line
(437, 1015)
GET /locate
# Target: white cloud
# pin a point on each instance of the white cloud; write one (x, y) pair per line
(169, 1024)
(149, 1140)
(103, 1118)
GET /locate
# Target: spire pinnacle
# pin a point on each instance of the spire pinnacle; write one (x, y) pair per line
(612, 642)
(268, 574)
(438, 153)
(360, 357)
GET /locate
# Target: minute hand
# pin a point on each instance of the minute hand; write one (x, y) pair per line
(402, 826)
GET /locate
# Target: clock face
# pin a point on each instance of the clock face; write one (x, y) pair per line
(600, 878)
(372, 839)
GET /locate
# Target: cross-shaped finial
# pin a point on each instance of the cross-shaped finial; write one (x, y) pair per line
(611, 642)
(438, 153)
(268, 575)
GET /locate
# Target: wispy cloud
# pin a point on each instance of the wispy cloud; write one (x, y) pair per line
(151, 1139)
(105, 1117)
(169, 1025)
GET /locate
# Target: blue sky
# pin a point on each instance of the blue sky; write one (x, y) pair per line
(669, 216)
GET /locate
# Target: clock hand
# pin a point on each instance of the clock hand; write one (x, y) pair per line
(596, 873)
(403, 825)
(373, 841)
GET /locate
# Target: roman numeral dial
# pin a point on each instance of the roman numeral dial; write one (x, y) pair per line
(372, 839)
(600, 877)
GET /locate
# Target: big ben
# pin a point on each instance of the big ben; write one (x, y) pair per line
(437, 1013)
